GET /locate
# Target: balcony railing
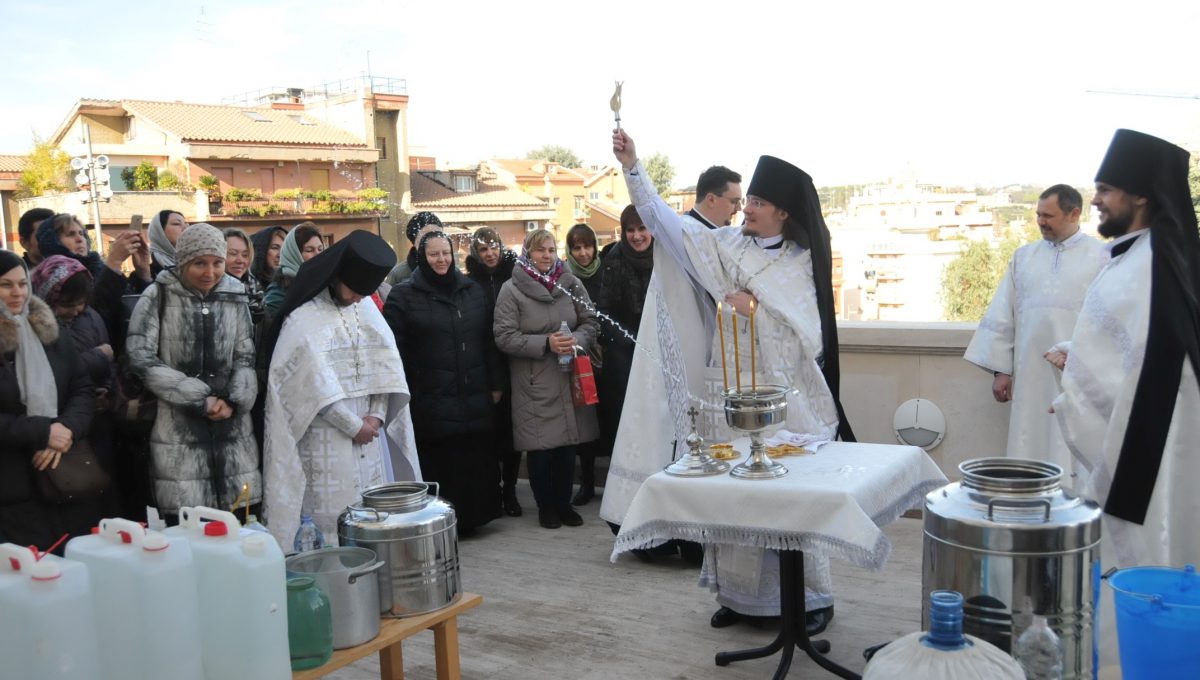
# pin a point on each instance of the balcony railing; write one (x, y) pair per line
(301, 206)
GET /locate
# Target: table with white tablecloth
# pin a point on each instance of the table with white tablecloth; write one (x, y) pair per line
(832, 502)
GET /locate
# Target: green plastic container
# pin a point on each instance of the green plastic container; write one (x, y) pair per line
(310, 624)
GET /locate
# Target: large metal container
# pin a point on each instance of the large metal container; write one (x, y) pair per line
(416, 536)
(1015, 544)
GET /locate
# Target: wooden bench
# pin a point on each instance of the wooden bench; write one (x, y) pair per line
(393, 632)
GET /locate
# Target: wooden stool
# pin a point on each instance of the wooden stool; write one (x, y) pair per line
(393, 632)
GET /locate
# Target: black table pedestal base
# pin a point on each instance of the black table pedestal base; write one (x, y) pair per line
(792, 631)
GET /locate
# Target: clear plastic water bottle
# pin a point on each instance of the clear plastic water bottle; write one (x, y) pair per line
(309, 537)
(1040, 652)
(564, 360)
(253, 524)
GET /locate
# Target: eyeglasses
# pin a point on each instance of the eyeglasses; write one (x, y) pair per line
(755, 202)
(734, 201)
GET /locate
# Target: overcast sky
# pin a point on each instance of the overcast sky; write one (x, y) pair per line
(956, 92)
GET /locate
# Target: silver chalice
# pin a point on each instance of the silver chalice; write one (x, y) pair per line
(755, 410)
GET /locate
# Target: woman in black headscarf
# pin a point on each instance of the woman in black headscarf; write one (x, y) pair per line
(267, 245)
(490, 266)
(443, 327)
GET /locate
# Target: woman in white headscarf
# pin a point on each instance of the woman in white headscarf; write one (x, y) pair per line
(165, 228)
(46, 405)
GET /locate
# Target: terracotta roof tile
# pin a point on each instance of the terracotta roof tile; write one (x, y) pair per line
(430, 194)
(523, 170)
(211, 123)
(12, 163)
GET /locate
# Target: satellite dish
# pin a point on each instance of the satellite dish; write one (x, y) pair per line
(101, 160)
(77, 163)
(919, 422)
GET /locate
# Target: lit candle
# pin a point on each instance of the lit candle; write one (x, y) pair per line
(721, 330)
(753, 353)
(737, 350)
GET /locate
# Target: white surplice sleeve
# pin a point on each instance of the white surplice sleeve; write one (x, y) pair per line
(994, 342)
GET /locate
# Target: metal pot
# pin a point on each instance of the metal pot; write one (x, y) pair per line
(416, 536)
(348, 577)
(1015, 544)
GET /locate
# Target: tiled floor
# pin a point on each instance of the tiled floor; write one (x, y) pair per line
(556, 608)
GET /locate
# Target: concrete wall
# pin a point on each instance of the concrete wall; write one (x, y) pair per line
(885, 364)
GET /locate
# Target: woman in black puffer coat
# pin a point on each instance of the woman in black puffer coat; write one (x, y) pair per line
(36, 430)
(443, 328)
(490, 266)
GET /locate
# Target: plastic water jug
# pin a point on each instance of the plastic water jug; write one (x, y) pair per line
(242, 586)
(144, 589)
(1158, 621)
(944, 653)
(47, 625)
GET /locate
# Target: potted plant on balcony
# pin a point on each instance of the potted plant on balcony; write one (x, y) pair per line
(212, 186)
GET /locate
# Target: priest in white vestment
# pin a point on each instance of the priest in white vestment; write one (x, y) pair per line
(1130, 406)
(673, 301)
(337, 400)
(780, 260)
(1034, 308)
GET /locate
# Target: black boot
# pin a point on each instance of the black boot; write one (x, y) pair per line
(508, 501)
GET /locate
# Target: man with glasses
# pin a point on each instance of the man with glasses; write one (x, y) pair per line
(718, 199)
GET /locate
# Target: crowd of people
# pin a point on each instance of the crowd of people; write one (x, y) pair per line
(270, 370)
(190, 366)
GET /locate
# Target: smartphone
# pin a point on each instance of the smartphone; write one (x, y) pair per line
(135, 222)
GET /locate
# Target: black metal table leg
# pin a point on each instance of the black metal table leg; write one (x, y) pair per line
(792, 630)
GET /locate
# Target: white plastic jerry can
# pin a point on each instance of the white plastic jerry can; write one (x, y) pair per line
(144, 589)
(47, 629)
(242, 586)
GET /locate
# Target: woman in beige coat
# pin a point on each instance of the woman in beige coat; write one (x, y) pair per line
(530, 311)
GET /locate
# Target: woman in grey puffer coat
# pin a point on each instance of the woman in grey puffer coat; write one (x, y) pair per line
(530, 309)
(192, 342)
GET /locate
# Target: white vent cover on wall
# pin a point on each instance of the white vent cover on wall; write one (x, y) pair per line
(919, 422)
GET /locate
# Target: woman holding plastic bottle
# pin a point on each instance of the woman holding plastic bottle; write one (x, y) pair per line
(531, 311)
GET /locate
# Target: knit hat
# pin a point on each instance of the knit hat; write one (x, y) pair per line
(198, 240)
(48, 277)
(418, 222)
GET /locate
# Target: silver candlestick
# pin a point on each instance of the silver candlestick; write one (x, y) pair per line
(754, 410)
(696, 463)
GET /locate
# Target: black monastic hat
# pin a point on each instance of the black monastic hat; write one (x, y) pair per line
(361, 260)
(781, 183)
(1138, 163)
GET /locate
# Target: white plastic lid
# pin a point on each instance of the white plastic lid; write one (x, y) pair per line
(154, 542)
(255, 546)
(45, 570)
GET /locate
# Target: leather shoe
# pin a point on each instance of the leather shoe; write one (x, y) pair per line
(570, 518)
(583, 496)
(510, 505)
(817, 620)
(548, 518)
(724, 617)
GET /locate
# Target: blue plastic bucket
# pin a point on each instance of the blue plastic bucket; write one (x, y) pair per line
(1158, 622)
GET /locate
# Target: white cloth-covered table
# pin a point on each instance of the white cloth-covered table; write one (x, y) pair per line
(831, 503)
